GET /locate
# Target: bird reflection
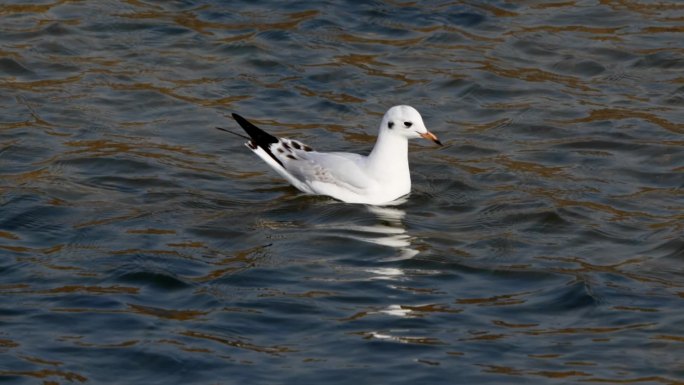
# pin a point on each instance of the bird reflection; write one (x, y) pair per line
(392, 234)
(391, 231)
(387, 230)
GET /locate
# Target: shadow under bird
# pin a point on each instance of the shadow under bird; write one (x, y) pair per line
(379, 178)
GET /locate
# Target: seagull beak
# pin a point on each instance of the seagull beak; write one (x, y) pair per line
(431, 136)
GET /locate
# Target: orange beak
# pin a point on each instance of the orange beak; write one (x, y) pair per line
(431, 136)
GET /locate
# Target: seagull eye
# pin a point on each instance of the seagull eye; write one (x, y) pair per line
(390, 125)
(408, 124)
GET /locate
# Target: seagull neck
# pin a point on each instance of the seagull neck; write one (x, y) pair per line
(389, 156)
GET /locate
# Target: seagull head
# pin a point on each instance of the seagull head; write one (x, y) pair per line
(407, 122)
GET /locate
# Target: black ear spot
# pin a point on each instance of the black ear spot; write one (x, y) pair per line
(390, 125)
(408, 124)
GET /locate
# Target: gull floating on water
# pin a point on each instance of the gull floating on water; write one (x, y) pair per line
(379, 178)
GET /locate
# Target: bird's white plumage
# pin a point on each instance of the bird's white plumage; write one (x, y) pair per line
(379, 178)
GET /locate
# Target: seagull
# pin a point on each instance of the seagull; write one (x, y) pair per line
(377, 179)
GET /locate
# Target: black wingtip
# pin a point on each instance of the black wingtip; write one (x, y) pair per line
(233, 133)
(260, 137)
(238, 118)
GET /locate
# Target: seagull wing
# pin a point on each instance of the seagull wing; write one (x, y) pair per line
(331, 173)
(337, 174)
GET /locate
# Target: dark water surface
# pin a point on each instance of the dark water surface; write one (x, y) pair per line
(543, 244)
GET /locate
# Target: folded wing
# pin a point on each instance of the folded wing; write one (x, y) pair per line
(337, 174)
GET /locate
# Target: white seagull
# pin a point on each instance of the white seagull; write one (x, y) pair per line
(379, 178)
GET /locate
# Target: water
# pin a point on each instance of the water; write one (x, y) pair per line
(543, 244)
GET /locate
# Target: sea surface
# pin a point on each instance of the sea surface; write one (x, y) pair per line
(543, 244)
